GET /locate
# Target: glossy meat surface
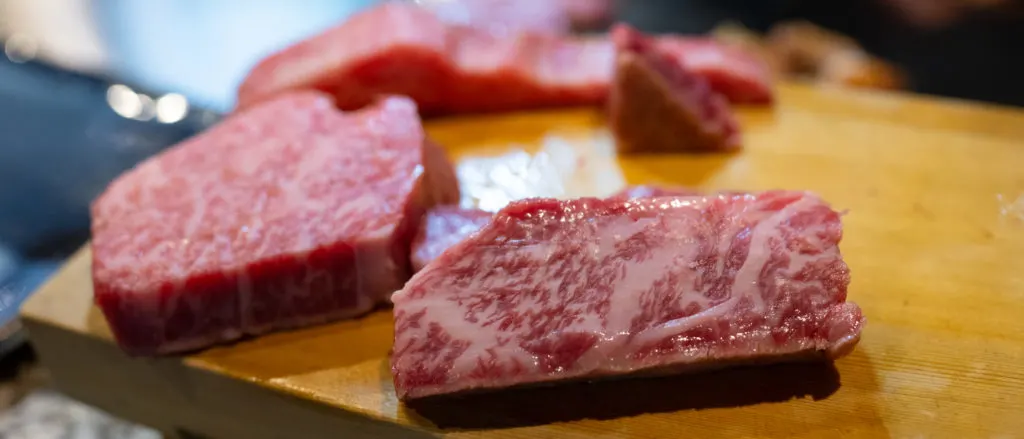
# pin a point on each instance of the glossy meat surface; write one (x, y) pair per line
(443, 227)
(287, 214)
(554, 290)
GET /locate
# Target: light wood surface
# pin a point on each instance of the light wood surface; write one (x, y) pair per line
(933, 239)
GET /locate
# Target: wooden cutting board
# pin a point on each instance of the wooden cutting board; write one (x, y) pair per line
(934, 237)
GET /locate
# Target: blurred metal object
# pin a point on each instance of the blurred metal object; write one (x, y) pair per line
(47, 414)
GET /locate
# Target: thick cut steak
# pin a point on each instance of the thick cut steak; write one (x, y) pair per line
(450, 68)
(555, 290)
(443, 227)
(287, 214)
(658, 105)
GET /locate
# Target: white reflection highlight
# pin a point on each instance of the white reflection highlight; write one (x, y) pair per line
(171, 108)
(21, 48)
(1009, 207)
(148, 108)
(124, 101)
(132, 105)
(560, 169)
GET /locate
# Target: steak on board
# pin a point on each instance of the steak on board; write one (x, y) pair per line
(287, 214)
(555, 290)
(450, 68)
(658, 105)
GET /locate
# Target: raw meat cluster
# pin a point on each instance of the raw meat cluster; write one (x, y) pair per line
(321, 196)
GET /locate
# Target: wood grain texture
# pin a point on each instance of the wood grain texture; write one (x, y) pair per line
(933, 245)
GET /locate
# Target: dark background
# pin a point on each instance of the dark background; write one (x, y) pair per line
(980, 56)
(61, 140)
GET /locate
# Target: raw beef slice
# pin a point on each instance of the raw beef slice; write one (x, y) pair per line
(288, 214)
(658, 105)
(443, 227)
(555, 290)
(406, 50)
(450, 68)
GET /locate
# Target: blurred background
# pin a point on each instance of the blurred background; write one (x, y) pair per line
(90, 87)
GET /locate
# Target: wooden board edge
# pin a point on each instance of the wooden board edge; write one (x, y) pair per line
(169, 395)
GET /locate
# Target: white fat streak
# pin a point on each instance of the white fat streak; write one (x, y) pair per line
(745, 284)
(452, 319)
(639, 279)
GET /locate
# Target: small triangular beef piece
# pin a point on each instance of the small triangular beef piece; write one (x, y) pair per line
(657, 104)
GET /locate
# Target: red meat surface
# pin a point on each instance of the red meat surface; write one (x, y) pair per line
(406, 50)
(287, 214)
(659, 105)
(555, 290)
(455, 68)
(443, 227)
